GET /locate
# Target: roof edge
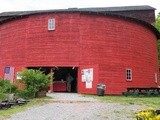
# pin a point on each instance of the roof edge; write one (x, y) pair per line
(146, 24)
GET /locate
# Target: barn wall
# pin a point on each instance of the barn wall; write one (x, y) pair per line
(116, 45)
(12, 45)
(58, 47)
(111, 43)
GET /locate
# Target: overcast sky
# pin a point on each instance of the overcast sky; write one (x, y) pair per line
(23, 5)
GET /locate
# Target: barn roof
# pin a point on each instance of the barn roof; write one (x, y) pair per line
(105, 11)
(94, 9)
(123, 8)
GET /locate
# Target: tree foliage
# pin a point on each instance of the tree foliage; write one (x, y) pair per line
(158, 22)
(35, 81)
(7, 87)
(157, 25)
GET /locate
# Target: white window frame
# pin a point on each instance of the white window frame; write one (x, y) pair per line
(155, 77)
(129, 74)
(51, 24)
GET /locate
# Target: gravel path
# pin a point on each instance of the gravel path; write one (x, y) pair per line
(66, 106)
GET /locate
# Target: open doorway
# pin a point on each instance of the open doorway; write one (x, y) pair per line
(61, 75)
(60, 83)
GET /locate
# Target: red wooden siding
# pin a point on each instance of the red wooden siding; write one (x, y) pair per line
(111, 43)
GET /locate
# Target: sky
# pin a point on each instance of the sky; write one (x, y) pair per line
(24, 5)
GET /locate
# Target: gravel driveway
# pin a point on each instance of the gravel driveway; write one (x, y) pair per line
(71, 106)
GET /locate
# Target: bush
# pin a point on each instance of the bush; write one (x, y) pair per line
(2, 96)
(35, 81)
(26, 93)
(7, 87)
(149, 114)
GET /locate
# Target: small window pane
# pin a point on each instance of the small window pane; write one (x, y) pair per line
(128, 74)
(51, 24)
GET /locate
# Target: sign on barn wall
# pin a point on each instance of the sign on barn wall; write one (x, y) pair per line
(87, 76)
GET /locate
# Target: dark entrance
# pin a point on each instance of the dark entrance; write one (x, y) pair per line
(61, 74)
(60, 83)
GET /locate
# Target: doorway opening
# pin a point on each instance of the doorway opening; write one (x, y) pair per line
(61, 76)
(60, 82)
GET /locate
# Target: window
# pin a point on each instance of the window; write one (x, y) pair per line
(128, 74)
(155, 77)
(51, 24)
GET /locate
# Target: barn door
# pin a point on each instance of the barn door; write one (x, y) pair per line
(88, 79)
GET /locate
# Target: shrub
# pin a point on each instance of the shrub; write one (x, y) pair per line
(35, 81)
(7, 87)
(2, 96)
(26, 93)
(149, 114)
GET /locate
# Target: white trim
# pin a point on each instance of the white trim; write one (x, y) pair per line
(130, 74)
(51, 24)
(155, 77)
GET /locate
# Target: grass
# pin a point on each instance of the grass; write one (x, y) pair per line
(148, 101)
(34, 102)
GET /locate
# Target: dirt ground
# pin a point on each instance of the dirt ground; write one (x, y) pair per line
(71, 106)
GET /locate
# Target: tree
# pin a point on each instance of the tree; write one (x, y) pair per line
(158, 22)
(158, 28)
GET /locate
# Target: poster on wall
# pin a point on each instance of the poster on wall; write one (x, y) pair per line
(87, 76)
(88, 84)
(83, 76)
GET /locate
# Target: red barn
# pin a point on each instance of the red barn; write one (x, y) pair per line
(115, 46)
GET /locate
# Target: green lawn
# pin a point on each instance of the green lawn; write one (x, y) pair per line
(148, 101)
(37, 101)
